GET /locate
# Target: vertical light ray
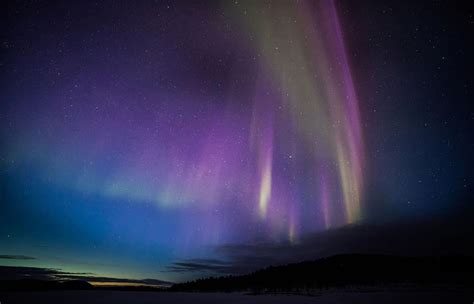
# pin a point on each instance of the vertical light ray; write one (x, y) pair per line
(265, 186)
(292, 233)
(324, 200)
(349, 142)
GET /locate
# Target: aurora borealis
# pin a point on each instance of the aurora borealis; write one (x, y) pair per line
(138, 136)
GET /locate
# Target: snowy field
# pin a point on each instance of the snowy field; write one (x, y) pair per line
(117, 297)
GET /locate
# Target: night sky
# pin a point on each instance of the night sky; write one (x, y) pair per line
(175, 140)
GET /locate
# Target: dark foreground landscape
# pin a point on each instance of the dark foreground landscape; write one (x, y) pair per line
(347, 271)
(355, 278)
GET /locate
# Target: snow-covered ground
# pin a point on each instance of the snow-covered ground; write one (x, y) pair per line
(117, 297)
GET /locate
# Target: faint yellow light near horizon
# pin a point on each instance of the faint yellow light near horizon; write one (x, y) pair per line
(120, 284)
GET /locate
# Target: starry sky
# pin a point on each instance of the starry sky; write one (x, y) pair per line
(171, 140)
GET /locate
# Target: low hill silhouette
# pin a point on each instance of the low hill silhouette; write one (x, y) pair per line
(348, 270)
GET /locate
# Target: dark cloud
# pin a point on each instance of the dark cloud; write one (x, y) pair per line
(18, 272)
(38, 273)
(16, 257)
(202, 265)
